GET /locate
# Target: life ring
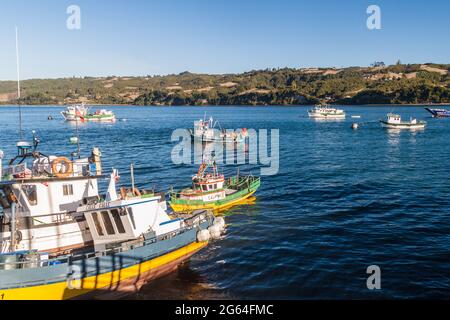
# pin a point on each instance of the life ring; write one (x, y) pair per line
(64, 162)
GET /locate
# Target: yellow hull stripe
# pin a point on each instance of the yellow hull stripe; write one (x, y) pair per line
(211, 206)
(60, 290)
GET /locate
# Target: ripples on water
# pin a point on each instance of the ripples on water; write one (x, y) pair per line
(343, 200)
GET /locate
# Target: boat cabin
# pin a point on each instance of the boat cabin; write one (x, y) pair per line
(204, 129)
(394, 118)
(52, 184)
(208, 183)
(39, 195)
(206, 186)
(123, 220)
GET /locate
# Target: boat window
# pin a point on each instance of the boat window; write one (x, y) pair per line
(215, 186)
(205, 188)
(98, 226)
(130, 212)
(68, 190)
(107, 222)
(116, 216)
(31, 193)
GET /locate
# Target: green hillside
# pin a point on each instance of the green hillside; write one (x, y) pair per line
(399, 84)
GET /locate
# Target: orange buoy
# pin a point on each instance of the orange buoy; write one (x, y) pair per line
(65, 163)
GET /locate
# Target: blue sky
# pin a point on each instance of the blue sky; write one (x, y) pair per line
(216, 36)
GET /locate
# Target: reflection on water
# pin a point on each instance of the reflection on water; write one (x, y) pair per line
(183, 284)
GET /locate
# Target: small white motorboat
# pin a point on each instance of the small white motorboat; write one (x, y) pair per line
(394, 121)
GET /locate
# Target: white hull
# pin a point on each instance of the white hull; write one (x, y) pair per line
(402, 126)
(109, 119)
(70, 117)
(326, 116)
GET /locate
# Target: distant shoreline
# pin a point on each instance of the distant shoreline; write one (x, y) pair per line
(400, 84)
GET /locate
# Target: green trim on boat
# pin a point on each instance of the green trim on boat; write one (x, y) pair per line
(243, 185)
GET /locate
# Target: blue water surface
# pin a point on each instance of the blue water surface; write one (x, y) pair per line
(343, 200)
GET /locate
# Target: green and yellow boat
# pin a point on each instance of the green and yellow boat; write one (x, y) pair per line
(210, 190)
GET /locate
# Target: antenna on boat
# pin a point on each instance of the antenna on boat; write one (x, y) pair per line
(76, 139)
(18, 84)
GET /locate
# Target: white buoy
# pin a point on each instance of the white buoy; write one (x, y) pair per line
(220, 221)
(355, 126)
(215, 231)
(73, 140)
(203, 236)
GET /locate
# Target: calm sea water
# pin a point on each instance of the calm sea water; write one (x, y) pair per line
(342, 200)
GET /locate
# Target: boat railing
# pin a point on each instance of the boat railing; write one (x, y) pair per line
(243, 181)
(108, 252)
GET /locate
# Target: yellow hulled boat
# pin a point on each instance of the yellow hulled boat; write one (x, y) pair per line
(210, 190)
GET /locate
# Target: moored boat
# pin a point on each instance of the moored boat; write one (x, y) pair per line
(439, 113)
(394, 121)
(61, 239)
(326, 112)
(82, 113)
(75, 112)
(212, 191)
(99, 116)
(206, 131)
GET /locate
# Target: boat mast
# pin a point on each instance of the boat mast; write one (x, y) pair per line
(13, 205)
(18, 85)
(78, 136)
(132, 176)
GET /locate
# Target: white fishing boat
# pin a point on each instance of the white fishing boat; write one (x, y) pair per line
(326, 112)
(101, 115)
(82, 113)
(53, 220)
(75, 112)
(61, 239)
(394, 121)
(210, 131)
